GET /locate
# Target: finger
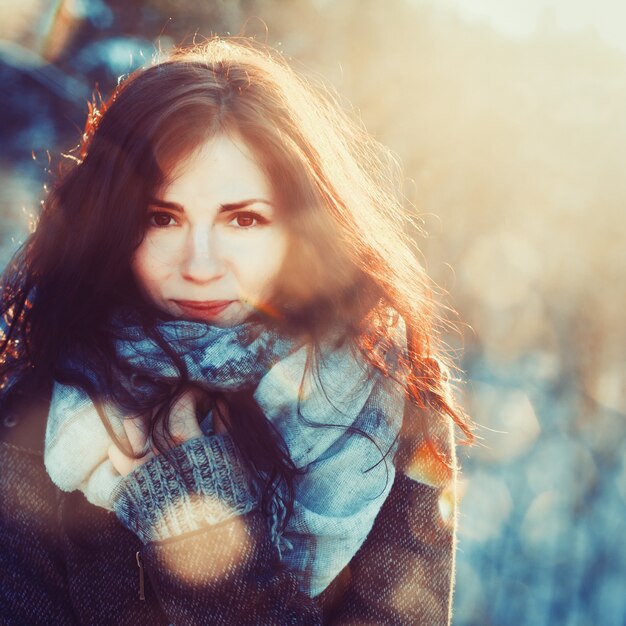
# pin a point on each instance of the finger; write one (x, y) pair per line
(124, 464)
(136, 433)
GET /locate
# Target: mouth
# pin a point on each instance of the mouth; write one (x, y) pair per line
(207, 310)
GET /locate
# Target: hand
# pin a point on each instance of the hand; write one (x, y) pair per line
(183, 426)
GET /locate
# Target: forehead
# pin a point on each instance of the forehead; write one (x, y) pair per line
(222, 167)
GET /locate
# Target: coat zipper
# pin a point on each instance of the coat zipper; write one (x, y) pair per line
(142, 595)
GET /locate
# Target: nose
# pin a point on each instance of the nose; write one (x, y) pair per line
(202, 262)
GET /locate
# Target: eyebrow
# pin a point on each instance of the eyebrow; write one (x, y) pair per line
(230, 206)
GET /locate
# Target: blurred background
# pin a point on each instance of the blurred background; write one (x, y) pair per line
(510, 121)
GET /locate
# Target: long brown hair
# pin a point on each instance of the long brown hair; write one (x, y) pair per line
(351, 264)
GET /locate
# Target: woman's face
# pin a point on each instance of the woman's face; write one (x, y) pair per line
(214, 243)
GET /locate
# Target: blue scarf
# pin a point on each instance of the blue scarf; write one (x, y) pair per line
(331, 517)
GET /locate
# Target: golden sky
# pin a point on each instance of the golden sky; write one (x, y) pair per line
(519, 18)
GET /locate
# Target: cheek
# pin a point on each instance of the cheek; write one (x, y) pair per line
(146, 268)
(259, 263)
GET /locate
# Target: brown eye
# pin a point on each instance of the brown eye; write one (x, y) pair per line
(245, 220)
(160, 219)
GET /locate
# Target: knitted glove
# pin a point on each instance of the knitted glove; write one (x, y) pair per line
(199, 483)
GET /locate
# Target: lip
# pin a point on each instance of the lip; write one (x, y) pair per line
(203, 309)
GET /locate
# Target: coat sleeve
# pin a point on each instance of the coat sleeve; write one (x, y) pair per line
(33, 584)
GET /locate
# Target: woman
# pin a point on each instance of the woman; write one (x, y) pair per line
(220, 315)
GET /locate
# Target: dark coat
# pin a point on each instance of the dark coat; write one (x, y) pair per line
(65, 561)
